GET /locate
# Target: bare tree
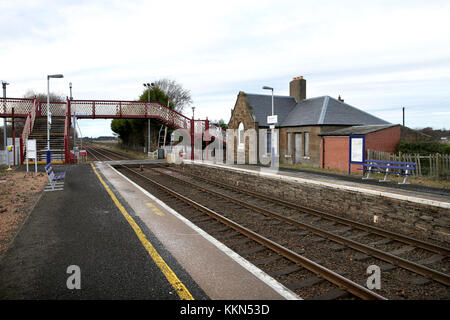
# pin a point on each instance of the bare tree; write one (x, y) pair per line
(42, 97)
(179, 96)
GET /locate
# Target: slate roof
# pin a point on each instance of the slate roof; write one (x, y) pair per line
(323, 110)
(358, 130)
(261, 107)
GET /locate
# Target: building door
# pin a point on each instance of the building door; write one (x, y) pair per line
(298, 147)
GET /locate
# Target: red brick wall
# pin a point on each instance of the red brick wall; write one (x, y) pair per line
(337, 148)
(383, 140)
(336, 153)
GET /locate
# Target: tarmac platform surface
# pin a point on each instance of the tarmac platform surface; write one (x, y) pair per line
(84, 226)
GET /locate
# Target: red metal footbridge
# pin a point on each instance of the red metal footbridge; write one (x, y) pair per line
(31, 109)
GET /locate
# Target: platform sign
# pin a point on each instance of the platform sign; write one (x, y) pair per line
(31, 149)
(82, 153)
(32, 153)
(272, 119)
(357, 150)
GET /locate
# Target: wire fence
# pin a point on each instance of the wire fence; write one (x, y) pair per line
(433, 165)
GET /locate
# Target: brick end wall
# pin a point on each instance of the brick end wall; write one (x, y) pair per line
(337, 147)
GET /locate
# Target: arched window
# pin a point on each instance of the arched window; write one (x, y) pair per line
(241, 141)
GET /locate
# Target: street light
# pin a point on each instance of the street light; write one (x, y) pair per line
(48, 112)
(70, 86)
(193, 110)
(148, 86)
(272, 134)
(4, 84)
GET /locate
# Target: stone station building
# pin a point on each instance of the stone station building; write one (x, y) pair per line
(301, 124)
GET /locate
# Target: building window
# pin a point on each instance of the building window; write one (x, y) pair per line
(306, 144)
(289, 144)
(241, 139)
(269, 142)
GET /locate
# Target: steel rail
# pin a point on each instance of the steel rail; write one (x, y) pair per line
(327, 274)
(115, 153)
(358, 225)
(405, 264)
(95, 149)
(89, 150)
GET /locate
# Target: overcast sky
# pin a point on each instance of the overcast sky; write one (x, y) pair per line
(379, 56)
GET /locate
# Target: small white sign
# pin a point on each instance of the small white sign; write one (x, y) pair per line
(272, 119)
(31, 149)
(32, 153)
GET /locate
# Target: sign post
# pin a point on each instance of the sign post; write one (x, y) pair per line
(271, 121)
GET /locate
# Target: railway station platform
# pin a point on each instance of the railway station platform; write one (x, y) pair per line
(127, 245)
(420, 194)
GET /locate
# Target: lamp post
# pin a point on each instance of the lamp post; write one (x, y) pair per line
(148, 86)
(70, 86)
(48, 112)
(272, 134)
(193, 110)
(4, 84)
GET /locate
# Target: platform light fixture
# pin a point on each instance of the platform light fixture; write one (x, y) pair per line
(148, 86)
(4, 84)
(70, 86)
(272, 134)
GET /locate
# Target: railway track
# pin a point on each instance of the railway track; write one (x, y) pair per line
(103, 154)
(438, 253)
(320, 282)
(402, 278)
(441, 250)
(309, 275)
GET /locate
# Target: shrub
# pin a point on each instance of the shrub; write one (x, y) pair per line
(423, 147)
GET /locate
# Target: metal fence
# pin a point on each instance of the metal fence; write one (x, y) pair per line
(433, 165)
(3, 154)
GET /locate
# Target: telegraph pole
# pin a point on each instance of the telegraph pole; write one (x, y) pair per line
(403, 109)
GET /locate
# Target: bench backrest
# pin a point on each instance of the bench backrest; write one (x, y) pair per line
(391, 162)
(49, 170)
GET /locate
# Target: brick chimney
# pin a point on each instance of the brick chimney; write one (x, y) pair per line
(297, 88)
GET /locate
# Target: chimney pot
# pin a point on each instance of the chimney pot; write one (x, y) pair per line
(297, 88)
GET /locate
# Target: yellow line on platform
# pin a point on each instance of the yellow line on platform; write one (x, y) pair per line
(179, 287)
(155, 209)
(45, 162)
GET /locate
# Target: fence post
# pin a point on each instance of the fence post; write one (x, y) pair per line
(437, 166)
(419, 165)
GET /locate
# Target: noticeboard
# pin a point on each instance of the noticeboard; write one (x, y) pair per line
(356, 149)
(31, 149)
